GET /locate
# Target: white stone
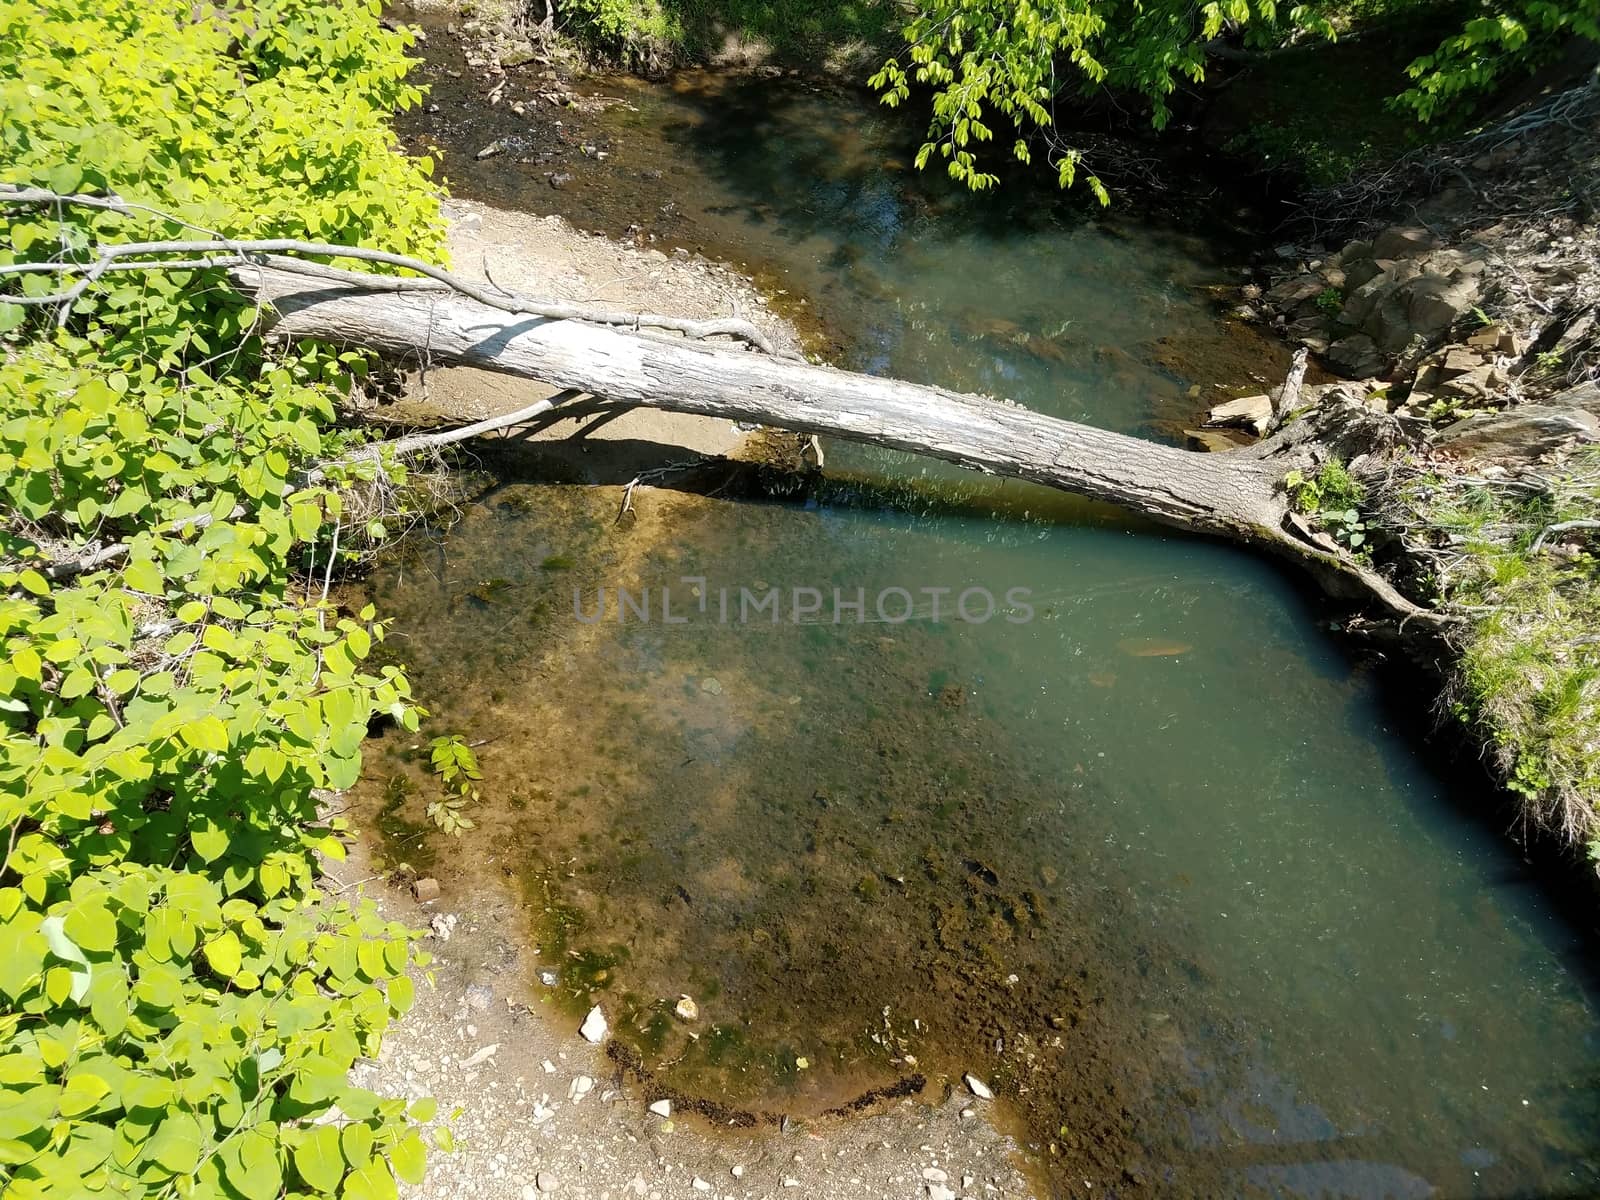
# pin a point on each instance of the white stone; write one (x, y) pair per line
(938, 1191)
(479, 1057)
(979, 1088)
(594, 1026)
(581, 1087)
(934, 1175)
(700, 1185)
(662, 1108)
(738, 1171)
(546, 1181)
(1247, 412)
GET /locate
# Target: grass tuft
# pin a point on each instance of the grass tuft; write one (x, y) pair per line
(1519, 556)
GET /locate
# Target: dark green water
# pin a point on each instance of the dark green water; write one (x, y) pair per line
(1156, 863)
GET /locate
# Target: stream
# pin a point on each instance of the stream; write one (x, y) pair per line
(1144, 849)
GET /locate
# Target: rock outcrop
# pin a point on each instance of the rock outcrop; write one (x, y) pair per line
(1374, 302)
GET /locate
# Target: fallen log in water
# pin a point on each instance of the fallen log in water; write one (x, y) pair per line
(1236, 495)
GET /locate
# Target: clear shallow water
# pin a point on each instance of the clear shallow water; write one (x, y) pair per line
(1153, 863)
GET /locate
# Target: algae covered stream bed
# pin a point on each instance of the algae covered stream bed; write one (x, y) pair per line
(1147, 857)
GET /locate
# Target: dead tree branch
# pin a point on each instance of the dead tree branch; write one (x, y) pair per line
(228, 252)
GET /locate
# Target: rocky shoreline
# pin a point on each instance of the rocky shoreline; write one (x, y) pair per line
(536, 1109)
(1473, 317)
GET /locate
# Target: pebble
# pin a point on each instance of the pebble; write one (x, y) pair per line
(979, 1088)
(546, 1182)
(700, 1185)
(662, 1108)
(790, 1181)
(738, 1171)
(934, 1175)
(938, 1191)
(687, 1009)
(594, 1026)
(581, 1087)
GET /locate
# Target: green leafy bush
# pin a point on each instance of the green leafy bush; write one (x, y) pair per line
(181, 1004)
(980, 59)
(1331, 489)
(1495, 45)
(656, 33)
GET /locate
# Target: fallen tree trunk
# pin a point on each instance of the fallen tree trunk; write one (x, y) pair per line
(1235, 495)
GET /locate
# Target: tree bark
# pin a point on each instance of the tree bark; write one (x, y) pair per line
(1235, 494)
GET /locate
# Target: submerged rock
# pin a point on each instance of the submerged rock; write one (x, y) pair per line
(1210, 439)
(594, 1026)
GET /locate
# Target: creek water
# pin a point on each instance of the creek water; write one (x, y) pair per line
(1155, 862)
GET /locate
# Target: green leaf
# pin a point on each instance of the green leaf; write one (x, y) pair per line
(319, 1160)
(356, 1141)
(58, 985)
(92, 927)
(176, 1145)
(252, 1166)
(82, 1093)
(142, 575)
(210, 841)
(409, 1159)
(224, 954)
(205, 733)
(60, 944)
(370, 1181)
